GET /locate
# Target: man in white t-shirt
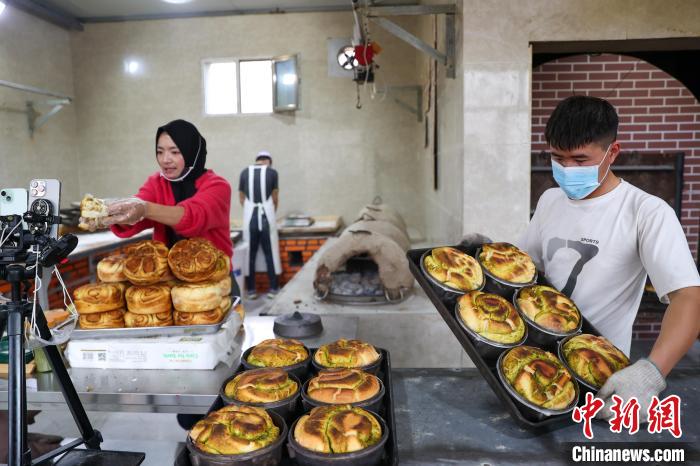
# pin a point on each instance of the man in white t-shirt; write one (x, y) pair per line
(598, 237)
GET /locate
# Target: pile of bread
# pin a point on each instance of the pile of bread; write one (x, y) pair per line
(151, 286)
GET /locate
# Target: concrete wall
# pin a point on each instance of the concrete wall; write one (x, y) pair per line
(496, 59)
(332, 158)
(443, 205)
(35, 53)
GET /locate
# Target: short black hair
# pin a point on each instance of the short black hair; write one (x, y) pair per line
(580, 120)
(264, 157)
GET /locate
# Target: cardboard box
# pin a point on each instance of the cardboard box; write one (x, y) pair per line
(181, 352)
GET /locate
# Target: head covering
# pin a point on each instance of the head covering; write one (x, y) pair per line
(263, 154)
(193, 148)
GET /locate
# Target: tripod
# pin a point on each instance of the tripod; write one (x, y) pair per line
(12, 318)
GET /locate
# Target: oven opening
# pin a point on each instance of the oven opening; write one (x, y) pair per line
(357, 278)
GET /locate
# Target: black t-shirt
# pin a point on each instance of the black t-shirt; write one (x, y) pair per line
(271, 183)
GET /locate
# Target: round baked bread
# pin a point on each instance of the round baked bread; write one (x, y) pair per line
(111, 269)
(98, 297)
(194, 260)
(491, 316)
(454, 268)
(196, 297)
(107, 319)
(161, 319)
(507, 262)
(223, 268)
(549, 309)
(337, 429)
(340, 386)
(198, 318)
(265, 385)
(146, 262)
(593, 358)
(225, 304)
(277, 352)
(539, 377)
(233, 430)
(150, 299)
(346, 353)
(224, 285)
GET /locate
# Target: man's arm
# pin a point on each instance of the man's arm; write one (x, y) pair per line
(276, 197)
(679, 329)
(241, 197)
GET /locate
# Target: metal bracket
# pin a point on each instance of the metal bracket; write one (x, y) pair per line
(376, 15)
(36, 120)
(418, 109)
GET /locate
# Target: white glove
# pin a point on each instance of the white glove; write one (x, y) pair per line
(641, 380)
(125, 211)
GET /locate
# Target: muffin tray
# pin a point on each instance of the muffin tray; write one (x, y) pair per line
(386, 412)
(445, 304)
(169, 331)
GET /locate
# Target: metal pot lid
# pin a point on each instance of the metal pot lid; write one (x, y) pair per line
(298, 325)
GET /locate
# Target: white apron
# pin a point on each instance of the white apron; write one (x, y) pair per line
(268, 206)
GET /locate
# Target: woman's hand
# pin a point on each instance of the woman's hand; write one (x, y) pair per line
(127, 211)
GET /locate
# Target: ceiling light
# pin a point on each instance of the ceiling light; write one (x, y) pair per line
(177, 2)
(2, 7)
(132, 66)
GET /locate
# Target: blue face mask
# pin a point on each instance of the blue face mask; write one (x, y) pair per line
(578, 182)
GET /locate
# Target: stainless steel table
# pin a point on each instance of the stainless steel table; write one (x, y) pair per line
(160, 391)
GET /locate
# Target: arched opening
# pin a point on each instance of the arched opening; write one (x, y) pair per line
(659, 132)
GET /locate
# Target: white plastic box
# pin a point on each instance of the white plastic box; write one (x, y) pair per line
(180, 352)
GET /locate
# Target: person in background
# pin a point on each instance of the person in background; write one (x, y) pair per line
(597, 237)
(258, 191)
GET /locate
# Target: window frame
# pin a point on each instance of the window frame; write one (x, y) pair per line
(207, 61)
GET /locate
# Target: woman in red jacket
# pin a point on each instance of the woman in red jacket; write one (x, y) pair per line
(183, 200)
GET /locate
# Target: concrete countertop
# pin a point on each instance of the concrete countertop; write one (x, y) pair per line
(324, 225)
(451, 416)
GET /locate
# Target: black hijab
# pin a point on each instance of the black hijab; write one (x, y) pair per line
(187, 138)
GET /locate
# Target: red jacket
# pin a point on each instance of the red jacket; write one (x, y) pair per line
(206, 213)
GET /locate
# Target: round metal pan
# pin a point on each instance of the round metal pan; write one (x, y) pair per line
(287, 408)
(560, 353)
(300, 369)
(370, 456)
(499, 286)
(446, 293)
(540, 335)
(373, 404)
(268, 456)
(488, 349)
(529, 409)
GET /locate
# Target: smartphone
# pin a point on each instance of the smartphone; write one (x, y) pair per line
(45, 199)
(13, 201)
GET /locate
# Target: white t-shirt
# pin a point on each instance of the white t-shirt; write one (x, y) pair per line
(598, 251)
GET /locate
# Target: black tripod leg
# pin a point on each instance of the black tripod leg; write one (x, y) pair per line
(18, 451)
(91, 437)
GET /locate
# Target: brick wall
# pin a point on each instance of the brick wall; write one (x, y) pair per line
(657, 114)
(294, 253)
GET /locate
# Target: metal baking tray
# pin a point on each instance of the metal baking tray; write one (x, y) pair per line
(169, 331)
(487, 367)
(386, 411)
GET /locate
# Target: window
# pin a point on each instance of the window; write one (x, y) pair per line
(250, 86)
